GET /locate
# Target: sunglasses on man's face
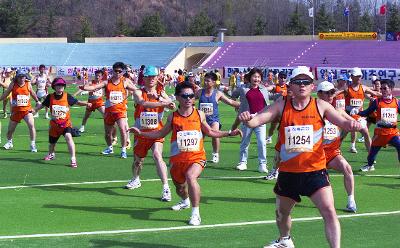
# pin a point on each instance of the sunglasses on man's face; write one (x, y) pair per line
(301, 81)
(187, 96)
(282, 77)
(384, 88)
(118, 71)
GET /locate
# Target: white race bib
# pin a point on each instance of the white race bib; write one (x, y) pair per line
(356, 102)
(340, 104)
(59, 112)
(116, 97)
(299, 138)
(389, 115)
(149, 120)
(22, 100)
(188, 141)
(331, 131)
(207, 108)
(99, 93)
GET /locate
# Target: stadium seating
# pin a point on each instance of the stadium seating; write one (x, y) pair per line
(366, 54)
(100, 54)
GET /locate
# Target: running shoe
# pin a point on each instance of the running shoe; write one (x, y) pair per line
(166, 195)
(353, 150)
(133, 184)
(124, 155)
(33, 148)
(361, 140)
(262, 168)
(241, 166)
(215, 158)
(195, 220)
(180, 206)
(82, 129)
(269, 140)
(73, 163)
(272, 175)
(107, 151)
(351, 207)
(367, 168)
(281, 243)
(36, 115)
(50, 156)
(47, 116)
(9, 145)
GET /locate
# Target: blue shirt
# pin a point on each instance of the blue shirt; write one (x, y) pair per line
(214, 117)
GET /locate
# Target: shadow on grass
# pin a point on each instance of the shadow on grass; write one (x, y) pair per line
(99, 243)
(134, 212)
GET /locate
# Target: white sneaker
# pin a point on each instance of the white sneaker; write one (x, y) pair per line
(36, 115)
(353, 150)
(361, 140)
(47, 116)
(262, 168)
(166, 195)
(82, 129)
(8, 145)
(351, 207)
(273, 174)
(241, 166)
(281, 243)
(180, 206)
(269, 140)
(133, 184)
(195, 220)
(33, 148)
(215, 158)
(367, 168)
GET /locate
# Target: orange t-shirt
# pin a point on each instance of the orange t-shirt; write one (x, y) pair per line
(21, 97)
(116, 97)
(355, 98)
(59, 109)
(181, 79)
(300, 136)
(281, 89)
(187, 138)
(97, 94)
(148, 119)
(387, 112)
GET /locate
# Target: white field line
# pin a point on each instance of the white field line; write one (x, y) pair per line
(155, 180)
(46, 235)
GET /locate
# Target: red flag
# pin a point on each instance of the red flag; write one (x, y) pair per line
(382, 9)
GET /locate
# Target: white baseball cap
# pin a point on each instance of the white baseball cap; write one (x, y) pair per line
(301, 70)
(325, 86)
(356, 72)
(8, 69)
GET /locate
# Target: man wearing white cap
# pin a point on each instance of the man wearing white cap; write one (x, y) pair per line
(5, 81)
(302, 166)
(332, 142)
(355, 95)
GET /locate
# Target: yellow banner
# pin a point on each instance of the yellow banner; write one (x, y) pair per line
(348, 36)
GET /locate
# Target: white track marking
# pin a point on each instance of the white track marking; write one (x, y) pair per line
(156, 180)
(263, 222)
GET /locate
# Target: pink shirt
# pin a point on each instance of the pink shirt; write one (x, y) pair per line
(256, 100)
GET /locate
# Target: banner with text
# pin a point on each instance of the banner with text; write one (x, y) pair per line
(382, 73)
(228, 70)
(63, 71)
(348, 36)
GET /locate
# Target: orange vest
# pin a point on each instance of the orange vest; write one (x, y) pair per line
(97, 93)
(148, 119)
(59, 110)
(116, 97)
(339, 101)
(355, 98)
(281, 89)
(386, 112)
(300, 136)
(187, 138)
(21, 97)
(373, 114)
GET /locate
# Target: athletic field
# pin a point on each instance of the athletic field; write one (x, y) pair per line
(48, 204)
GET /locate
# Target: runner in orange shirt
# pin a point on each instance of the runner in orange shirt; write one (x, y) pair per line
(150, 104)
(302, 167)
(60, 124)
(187, 156)
(354, 98)
(115, 106)
(386, 132)
(21, 91)
(332, 142)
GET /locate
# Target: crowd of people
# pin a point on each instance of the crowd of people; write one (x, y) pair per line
(310, 130)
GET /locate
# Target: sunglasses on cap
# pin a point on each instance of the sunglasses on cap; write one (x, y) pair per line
(329, 92)
(301, 81)
(187, 96)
